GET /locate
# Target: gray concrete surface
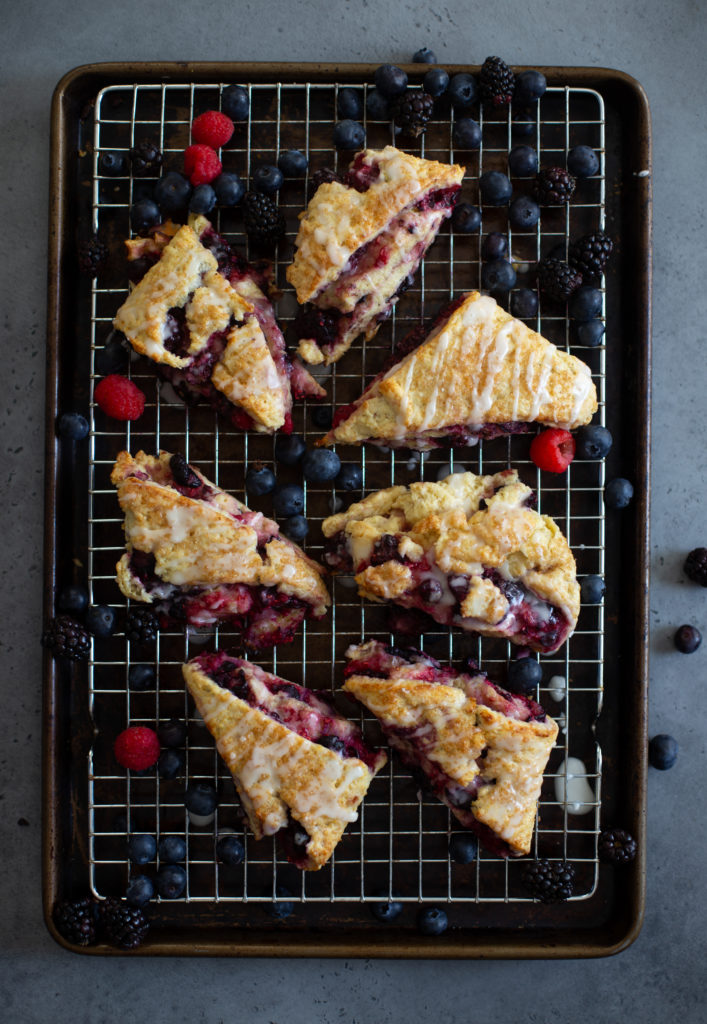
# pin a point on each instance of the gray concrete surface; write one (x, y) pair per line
(663, 976)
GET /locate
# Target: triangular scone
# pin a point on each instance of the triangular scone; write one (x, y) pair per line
(360, 240)
(300, 767)
(200, 556)
(479, 373)
(201, 312)
(469, 551)
(482, 749)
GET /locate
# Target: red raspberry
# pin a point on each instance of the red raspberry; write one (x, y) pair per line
(212, 129)
(201, 164)
(119, 398)
(553, 450)
(137, 748)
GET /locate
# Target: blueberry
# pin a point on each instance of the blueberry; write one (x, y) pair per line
(144, 214)
(292, 163)
(377, 106)
(432, 921)
(424, 56)
(113, 165)
(582, 161)
(203, 199)
(350, 477)
(585, 303)
(522, 124)
(524, 303)
(463, 848)
(142, 848)
(494, 246)
(387, 910)
(349, 104)
(230, 850)
(466, 134)
(200, 798)
(172, 850)
(235, 102)
(523, 161)
(495, 188)
(430, 591)
(618, 493)
(259, 479)
(593, 442)
(172, 192)
(523, 675)
(268, 179)
(322, 416)
(592, 589)
(524, 213)
(100, 619)
(72, 599)
(171, 881)
(295, 528)
(288, 501)
(72, 426)
(498, 276)
(171, 763)
(589, 333)
(113, 357)
(289, 449)
(466, 219)
(662, 752)
(282, 907)
(530, 86)
(229, 189)
(687, 639)
(390, 81)
(349, 134)
(320, 465)
(140, 891)
(172, 733)
(462, 91)
(435, 82)
(141, 677)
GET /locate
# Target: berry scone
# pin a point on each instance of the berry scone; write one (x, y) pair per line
(199, 556)
(301, 769)
(483, 750)
(202, 314)
(360, 241)
(469, 551)
(478, 373)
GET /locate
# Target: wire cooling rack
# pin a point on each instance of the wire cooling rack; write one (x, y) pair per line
(399, 845)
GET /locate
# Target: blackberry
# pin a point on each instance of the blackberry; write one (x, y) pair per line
(696, 566)
(554, 185)
(262, 219)
(549, 881)
(412, 111)
(557, 279)
(124, 926)
(76, 921)
(616, 846)
(497, 82)
(141, 625)
(324, 176)
(590, 254)
(66, 638)
(146, 157)
(92, 257)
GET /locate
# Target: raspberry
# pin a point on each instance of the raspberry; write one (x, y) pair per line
(137, 748)
(552, 450)
(201, 164)
(212, 129)
(119, 398)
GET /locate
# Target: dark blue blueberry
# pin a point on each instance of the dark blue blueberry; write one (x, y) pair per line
(592, 589)
(113, 165)
(387, 910)
(523, 161)
(466, 219)
(259, 479)
(462, 91)
(140, 891)
(200, 798)
(292, 163)
(113, 357)
(585, 303)
(288, 501)
(377, 106)
(230, 850)
(463, 848)
(424, 56)
(435, 82)
(390, 81)
(662, 752)
(432, 921)
(582, 161)
(618, 493)
(268, 179)
(593, 442)
(687, 639)
(494, 246)
(173, 849)
(523, 675)
(320, 465)
(349, 104)
(203, 199)
(466, 134)
(350, 477)
(322, 416)
(171, 763)
(141, 677)
(495, 188)
(142, 848)
(73, 426)
(524, 303)
(295, 528)
(72, 599)
(172, 733)
(172, 192)
(289, 449)
(144, 214)
(282, 907)
(349, 134)
(229, 188)
(530, 86)
(498, 276)
(171, 881)
(589, 333)
(524, 213)
(235, 102)
(522, 124)
(100, 619)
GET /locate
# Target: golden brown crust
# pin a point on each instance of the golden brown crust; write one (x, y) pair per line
(246, 375)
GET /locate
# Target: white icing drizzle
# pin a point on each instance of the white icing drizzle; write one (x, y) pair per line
(581, 388)
(540, 393)
(556, 686)
(577, 795)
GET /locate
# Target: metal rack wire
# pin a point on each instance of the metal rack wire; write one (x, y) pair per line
(400, 843)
